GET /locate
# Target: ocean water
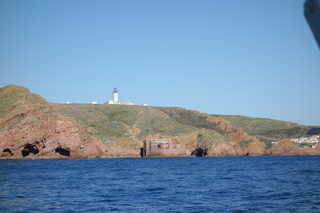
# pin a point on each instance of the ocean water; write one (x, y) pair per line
(207, 184)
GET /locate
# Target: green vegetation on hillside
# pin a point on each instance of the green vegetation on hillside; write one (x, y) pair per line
(133, 124)
(12, 96)
(267, 129)
(122, 121)
(194, 118)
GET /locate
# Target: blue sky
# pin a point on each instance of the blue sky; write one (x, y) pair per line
(250, 57)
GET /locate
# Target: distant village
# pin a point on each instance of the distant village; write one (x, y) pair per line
(311, 141)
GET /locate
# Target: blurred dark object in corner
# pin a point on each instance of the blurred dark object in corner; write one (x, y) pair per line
(312, 14)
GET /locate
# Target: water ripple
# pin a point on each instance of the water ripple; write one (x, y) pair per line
(234, 184)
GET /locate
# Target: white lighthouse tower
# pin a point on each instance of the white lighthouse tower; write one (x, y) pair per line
(115, 95)
(116, 99)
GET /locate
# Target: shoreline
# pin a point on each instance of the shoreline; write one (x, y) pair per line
(126, 157)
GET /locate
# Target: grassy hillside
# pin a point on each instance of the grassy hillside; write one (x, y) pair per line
(114, 120)
(133, 124)
(267, 129)
(28, 120)
(121, 121)
(12, 97)
(197, 119)
(114, 125)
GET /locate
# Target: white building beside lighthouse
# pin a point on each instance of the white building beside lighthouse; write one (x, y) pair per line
(116, 99)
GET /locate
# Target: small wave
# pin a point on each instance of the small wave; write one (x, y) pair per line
(155, 189)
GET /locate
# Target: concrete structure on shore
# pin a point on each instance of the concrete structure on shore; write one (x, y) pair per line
(116, 99)
(162, 148)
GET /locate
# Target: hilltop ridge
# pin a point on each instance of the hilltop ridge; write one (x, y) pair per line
(267, 130)
(31, 127)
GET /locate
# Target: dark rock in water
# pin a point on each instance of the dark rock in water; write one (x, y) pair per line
(141, 152)
(199, 152)
(29, 148)
(7, 151)
(62, 151)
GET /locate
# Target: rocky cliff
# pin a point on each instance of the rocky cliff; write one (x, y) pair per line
(267, 130)
(31, 127)
(288, 147)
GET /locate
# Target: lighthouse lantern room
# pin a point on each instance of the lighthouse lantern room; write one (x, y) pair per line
(115, 95)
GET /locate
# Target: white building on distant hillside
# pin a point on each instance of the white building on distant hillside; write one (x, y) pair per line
(116, 99)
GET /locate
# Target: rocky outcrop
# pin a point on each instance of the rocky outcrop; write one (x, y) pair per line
(256, 148)
(50, 137)
(226, 149)
(209, 122)
(30, 127)
(288, 147)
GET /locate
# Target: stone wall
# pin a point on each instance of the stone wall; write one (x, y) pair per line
(163, 148)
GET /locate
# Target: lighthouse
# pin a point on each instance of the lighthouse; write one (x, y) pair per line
(116, 99)
(115, 95)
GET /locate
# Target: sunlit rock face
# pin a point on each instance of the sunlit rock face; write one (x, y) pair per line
(31, 127)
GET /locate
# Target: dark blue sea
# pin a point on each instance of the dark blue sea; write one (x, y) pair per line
(207, 184)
